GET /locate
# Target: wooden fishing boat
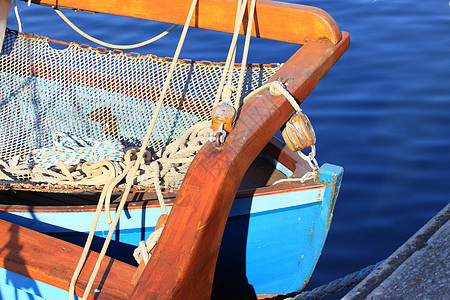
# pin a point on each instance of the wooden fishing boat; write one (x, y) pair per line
(234, 228)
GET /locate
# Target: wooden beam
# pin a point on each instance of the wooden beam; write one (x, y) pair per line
(280, 21)
(53, 261)
(183, 263)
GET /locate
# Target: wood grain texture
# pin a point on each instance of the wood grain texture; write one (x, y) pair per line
(53, 261)
(273, 20)
(182, 266)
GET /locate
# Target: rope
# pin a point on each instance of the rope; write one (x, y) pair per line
(72, 150)
(245, 54)
(230, 56)
(4, 176)
(169, 170)
(140, 154)
(228, 89)
(143, 251)
(90, 162)
(225, 92)
(174, 163)
(232, 52)
(337, 285)
(311, 160)
(16, 12)
(277, 88)
(114, 46)
(103, 197)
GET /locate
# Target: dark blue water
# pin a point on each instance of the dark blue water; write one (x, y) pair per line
(383, 113)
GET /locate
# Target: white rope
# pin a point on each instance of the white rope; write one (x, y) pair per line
(4, 176)
(231, 51)
(311, 160)
(228, 89)
(143, 251)
(276, 88)
(172, 163)
(225, 92)
(72, 150)
(103, 197)
(245, 55)
(16, 12)
(140, 154)
(156, 172)
(114, 46)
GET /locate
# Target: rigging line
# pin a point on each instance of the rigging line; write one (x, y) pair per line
(228, 88)
(231, 50)
(105, 44)
(140, 154)
(245, 54)
(16, 12)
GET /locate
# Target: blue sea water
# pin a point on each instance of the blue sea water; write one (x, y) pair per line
(382, 112)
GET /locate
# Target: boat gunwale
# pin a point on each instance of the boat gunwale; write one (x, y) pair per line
(286, 22)
(287, 187)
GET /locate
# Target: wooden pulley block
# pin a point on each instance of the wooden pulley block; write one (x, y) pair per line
(223, 114)
(299, 133)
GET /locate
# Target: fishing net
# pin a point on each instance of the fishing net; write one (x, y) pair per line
(97, 99)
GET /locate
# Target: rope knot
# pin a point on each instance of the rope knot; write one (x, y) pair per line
(142, 252)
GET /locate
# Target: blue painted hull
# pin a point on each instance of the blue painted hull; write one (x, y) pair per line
(19, 287)
(271, 243)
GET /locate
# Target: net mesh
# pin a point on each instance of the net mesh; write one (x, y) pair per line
(98, 94)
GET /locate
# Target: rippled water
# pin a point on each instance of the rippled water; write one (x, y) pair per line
(383, 113)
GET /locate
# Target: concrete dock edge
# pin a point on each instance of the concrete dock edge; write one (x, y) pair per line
(419, 269)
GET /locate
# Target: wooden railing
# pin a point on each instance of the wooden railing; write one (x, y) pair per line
(280, 21)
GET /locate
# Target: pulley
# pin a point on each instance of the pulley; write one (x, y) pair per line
(222, 117)
(299, 133)
(223, 114)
